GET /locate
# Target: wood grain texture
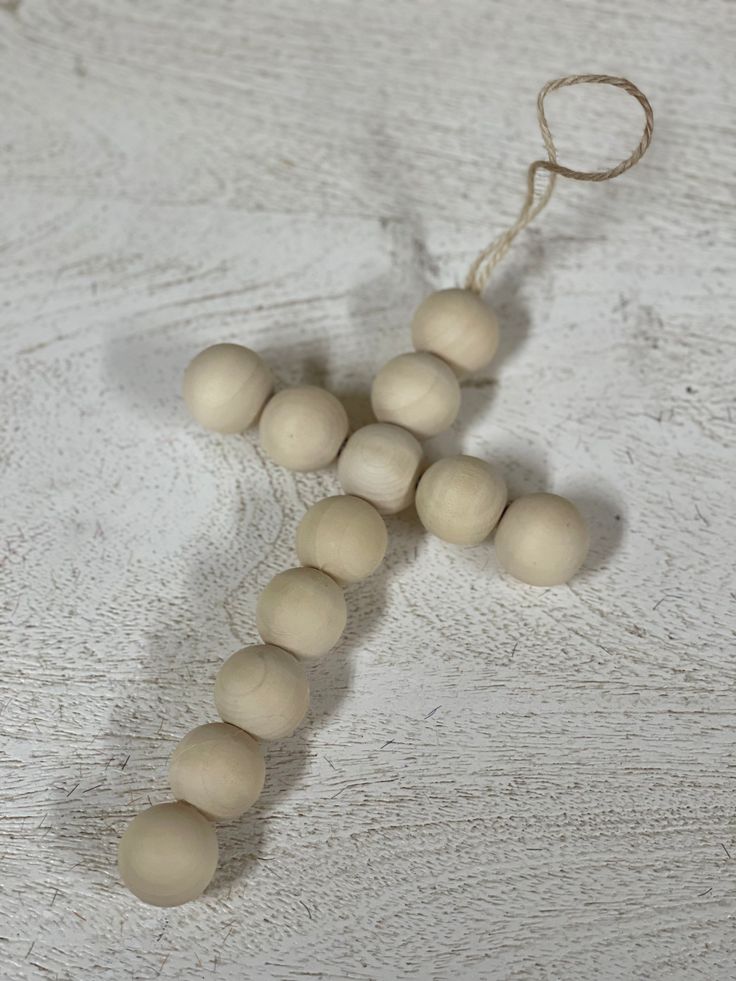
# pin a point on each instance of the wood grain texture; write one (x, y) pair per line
(493, 782)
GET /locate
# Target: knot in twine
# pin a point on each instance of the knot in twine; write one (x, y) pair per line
(489, 258)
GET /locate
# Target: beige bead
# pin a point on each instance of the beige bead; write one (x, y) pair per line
(303, 428)
(303, 611)
(168, 854)
(264, 690)
(226, 386)
(343, 536)
(542, 540)
(218, 768)
(380, 463)
(417, 391)
(460, 499)
(457, 326)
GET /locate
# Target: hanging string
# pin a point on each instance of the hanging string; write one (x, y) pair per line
(489, 258)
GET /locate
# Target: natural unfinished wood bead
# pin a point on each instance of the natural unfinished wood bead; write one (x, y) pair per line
(168, 854)
(218, 768)
(303, 428)
(380, 463)
(417, 391)
(343, 536)
(457, 326)
(303, 611)
(460, 499)
(264, 690)
(542, 540)
(226, 386)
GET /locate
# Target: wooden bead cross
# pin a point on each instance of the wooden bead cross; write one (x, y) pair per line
(169, 853)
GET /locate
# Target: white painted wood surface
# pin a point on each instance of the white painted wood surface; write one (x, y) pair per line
(494, 782)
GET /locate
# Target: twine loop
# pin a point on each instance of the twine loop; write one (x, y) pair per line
(489, 258)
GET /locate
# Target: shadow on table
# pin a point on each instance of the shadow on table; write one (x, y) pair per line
(605, 512)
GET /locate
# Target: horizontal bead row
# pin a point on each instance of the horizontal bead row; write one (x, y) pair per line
(540, 539)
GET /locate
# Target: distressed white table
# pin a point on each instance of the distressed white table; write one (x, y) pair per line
(493, 782)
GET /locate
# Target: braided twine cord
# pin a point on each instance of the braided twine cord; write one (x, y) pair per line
(489, 258)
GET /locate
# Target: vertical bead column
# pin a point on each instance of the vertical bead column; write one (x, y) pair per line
(168, 853)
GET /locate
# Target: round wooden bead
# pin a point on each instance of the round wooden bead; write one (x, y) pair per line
(303, 611)
(457, 326)
(460, 499)
(264, 690)
(380, 463)
(343, 536)
(218, 768)
(303, 428)
(417, 391)
(226, 386)
(168, 854)
(542, 540)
